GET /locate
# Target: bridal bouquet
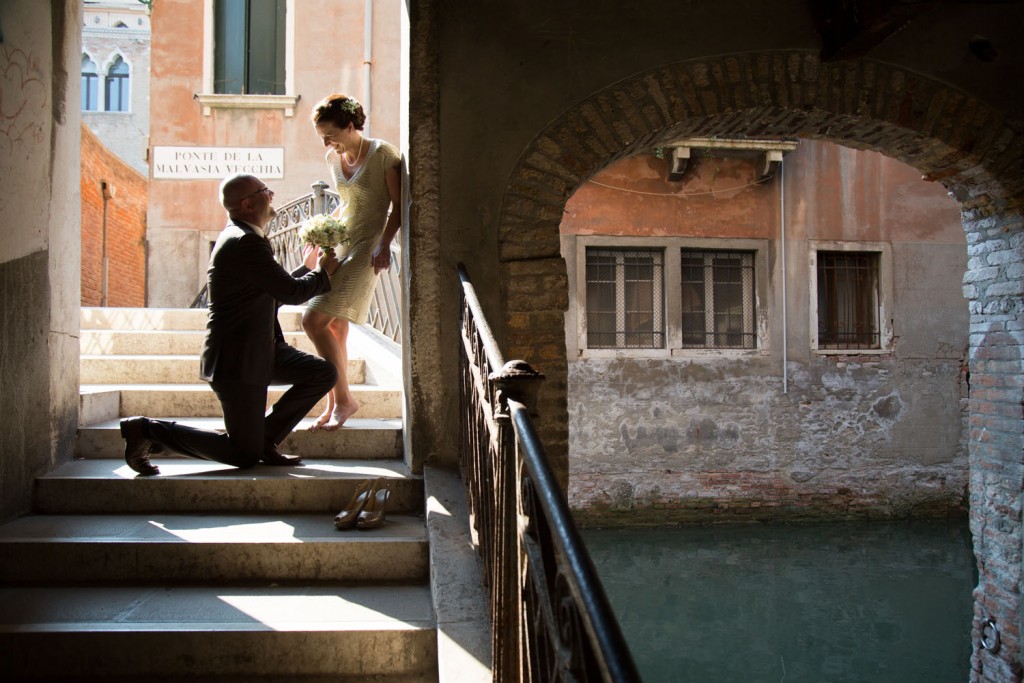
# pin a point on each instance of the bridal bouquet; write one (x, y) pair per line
(323, 231)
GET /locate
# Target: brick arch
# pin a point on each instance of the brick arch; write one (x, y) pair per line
(973, 149)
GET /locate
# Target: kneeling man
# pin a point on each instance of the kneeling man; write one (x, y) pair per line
(244, 350)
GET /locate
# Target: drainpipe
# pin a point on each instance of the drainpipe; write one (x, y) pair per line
(107, 191)
(367, 59)
(785, 319)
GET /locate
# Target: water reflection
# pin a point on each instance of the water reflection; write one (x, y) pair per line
(789, 604)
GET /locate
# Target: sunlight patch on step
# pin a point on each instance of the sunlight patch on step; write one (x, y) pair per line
(262, 532)
(305, 612)
(367, 471)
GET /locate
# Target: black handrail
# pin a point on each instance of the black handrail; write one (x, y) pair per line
(550, 617)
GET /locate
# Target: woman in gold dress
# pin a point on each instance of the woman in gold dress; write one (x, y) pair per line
(367, 176)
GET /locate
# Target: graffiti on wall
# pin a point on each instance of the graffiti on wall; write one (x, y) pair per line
(22, 109)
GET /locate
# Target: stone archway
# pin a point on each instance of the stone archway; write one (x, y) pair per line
(974, 150)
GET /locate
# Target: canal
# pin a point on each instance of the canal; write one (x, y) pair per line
(818, 603)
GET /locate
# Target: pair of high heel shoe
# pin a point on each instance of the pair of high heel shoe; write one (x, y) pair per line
(366, 508)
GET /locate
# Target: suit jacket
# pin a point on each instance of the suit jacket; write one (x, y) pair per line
(246, 285)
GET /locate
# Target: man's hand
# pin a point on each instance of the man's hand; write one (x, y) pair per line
(310, 253)
(329, 261)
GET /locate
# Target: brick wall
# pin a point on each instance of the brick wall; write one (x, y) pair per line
(973, 149)
(126, 227)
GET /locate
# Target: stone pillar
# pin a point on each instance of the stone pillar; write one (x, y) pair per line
(40, 255)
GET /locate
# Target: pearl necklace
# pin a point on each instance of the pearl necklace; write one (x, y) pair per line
(351, 164)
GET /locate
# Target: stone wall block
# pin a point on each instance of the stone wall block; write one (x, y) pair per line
(541, 167)
(541, 188)
(667, 93)
(719, 85)
(759, 92)
(518, 241)
(688, 88)
(601, 130)
(647, 107)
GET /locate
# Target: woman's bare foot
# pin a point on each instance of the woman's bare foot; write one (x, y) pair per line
(324, 416)
(339, 415)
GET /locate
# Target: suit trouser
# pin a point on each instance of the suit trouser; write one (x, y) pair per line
(251, 430)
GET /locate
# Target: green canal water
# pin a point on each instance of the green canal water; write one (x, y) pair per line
(820, 603)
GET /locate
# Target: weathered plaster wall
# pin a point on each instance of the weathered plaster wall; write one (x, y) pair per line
(184, 215)
(39, 252)
(716, 436)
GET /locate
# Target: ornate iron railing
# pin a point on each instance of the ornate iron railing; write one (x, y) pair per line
(550, 618)
(283, 234)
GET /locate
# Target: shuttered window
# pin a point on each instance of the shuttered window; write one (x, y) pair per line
(249, 47)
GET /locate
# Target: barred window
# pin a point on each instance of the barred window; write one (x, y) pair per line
(718, 299)
(625, 301)
(848, 300)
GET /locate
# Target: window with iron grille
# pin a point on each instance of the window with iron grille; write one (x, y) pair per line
(848, 300)
(717, 299)
(625, 301)
(249, 47)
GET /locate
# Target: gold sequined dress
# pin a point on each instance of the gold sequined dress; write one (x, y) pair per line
(364, 209)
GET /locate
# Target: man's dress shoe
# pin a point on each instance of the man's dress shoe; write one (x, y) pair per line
(137, 445)
(272, 456)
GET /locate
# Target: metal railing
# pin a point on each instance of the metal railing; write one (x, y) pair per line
(550, 618)
(283, 235)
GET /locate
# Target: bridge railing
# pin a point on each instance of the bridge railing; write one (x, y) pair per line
(283, 234)
(550, 618)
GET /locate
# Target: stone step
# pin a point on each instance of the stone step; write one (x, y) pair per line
(209, 548)
(198, 400)
(142, 318)
(162, 369)
(290, 318)
(348, 632)
(367, 438)
(192, 486)
(161, 342)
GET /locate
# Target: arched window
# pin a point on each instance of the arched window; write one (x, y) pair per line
(90, 85)
(117, 86)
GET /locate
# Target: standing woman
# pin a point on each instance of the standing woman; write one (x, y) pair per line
(367, 175)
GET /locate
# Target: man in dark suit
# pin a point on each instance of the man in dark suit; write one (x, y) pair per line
(244, 350)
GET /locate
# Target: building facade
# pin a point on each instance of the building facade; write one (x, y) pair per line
(115, 77)
(764, 330)
(217, 112)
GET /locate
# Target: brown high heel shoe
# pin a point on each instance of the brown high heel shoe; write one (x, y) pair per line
(346, 519)
(372, 515)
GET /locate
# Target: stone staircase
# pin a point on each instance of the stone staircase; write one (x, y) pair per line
(206, 572)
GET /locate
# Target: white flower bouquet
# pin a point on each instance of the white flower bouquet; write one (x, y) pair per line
(323, 231)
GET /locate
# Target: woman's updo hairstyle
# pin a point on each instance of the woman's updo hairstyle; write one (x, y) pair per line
(340, 110)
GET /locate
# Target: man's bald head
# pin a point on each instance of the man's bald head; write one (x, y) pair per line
(235, 188)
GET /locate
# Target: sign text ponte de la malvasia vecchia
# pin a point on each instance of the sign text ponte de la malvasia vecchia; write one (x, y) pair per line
(217, 162)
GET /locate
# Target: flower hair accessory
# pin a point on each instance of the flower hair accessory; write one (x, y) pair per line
(323, 231)
(351, 106)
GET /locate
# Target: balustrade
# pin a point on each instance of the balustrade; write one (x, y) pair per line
(283, 235)
(550, 618)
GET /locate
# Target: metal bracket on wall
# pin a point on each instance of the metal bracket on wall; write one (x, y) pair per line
(990, 639)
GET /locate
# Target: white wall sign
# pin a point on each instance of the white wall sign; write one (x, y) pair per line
(217, 162)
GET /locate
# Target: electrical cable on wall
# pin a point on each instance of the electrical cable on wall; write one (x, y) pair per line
(681, 195)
